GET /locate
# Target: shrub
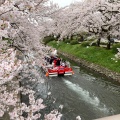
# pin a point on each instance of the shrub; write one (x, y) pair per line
(47, 39)
(93, 43)
(67, 40)
(114, 47)
(73, 42)
(85, 44)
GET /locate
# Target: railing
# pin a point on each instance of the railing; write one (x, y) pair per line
(114, 117)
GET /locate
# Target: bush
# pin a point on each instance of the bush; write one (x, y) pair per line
(85, 44)
(47, 39)
(114, 47)
(93, 43)
(67, 40)
(73, 42)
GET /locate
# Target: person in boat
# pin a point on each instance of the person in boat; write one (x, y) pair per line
(54, 52)
(47, 58)
(63, 64)
(68, 64)
(58, 60)
(54, 62)
(52, 59)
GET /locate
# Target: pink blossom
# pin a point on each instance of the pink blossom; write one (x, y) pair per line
(1, 113)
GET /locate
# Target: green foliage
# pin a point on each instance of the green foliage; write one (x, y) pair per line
(73, 42)
(92, 39)
(94, 44)
(74, 37)
(47, 39)
(85, 44)
(114, 47)
(53, 44)
(67, 40)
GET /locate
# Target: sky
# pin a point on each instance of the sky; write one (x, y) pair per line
(63, 3)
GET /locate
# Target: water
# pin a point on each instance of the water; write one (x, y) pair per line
(85, 93)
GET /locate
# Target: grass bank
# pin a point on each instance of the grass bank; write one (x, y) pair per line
(93, 54)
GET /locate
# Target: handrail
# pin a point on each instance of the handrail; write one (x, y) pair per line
(114, 117)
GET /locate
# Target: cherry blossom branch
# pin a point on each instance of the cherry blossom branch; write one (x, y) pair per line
(6, 12)
(2, 2)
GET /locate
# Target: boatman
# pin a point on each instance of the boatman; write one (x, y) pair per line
(54, 53)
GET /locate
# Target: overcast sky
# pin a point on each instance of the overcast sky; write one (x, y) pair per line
(63, 3)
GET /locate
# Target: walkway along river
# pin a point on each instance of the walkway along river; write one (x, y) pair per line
(86, 94)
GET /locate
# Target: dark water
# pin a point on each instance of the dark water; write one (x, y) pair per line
(86, 94)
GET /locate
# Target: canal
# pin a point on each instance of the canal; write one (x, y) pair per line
(86, 94)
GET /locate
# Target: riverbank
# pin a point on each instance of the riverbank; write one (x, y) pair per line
(98, 68)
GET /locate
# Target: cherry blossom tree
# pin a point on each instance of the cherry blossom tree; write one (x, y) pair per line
(104, 21)
(24, 23)
(96, 17)
(20, 31)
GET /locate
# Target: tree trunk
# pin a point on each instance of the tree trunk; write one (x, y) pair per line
(108, 45)
(109, 42)
(71, 37)
(58, 36)
(80, 38)
(67, 37)
(98, 42)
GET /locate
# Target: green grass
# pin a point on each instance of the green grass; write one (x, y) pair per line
(97, 55)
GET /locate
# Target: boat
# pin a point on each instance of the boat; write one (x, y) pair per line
(53, 69)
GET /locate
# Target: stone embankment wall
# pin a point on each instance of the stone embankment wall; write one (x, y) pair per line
(96, 68)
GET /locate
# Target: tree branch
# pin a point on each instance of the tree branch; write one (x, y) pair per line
(6, 11)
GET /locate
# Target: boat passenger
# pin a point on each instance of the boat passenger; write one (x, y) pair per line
(55, 61)
(52, 59)
(58, 60)
(63, 64)
(54, 52)
(67, 63)
(47, 59)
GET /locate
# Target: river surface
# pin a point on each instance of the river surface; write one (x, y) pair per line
(86, 94)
